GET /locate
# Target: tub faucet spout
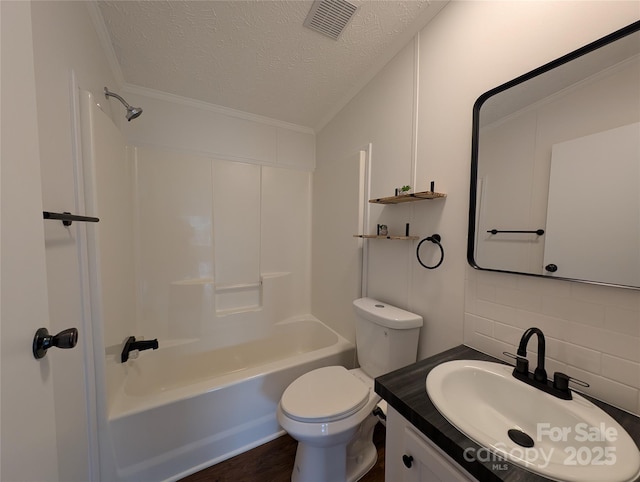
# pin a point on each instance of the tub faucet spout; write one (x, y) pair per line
(131, 344)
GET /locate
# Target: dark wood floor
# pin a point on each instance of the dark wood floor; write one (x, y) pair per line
(273, 462)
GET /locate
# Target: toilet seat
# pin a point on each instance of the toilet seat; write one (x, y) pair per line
(324, 395)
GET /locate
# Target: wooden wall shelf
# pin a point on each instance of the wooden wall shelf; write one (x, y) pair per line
(407, 198)
(375, 236)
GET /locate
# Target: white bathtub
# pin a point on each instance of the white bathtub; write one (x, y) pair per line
(186, 407)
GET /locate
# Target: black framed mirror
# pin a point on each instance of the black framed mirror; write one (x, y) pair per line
(555, 168)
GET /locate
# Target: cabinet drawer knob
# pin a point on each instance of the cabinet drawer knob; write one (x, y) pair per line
(407, 460)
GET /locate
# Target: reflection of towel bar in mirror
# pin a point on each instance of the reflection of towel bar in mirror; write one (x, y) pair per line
(539, 232)
(376, 236)
(68, 218)
(559, 147)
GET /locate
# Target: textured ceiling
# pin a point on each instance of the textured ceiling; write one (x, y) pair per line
(256, 56)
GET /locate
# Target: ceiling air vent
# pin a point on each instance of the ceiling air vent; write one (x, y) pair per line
(329, 17)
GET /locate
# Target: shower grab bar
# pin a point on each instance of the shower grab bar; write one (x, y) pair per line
(68, 218)
(539, 232)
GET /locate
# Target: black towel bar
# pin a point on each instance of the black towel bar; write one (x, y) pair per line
(539, 232)
(68, 218)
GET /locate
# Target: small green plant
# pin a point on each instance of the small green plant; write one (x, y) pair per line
(405, 188)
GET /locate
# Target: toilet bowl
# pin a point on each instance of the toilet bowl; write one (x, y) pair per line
(330, 410)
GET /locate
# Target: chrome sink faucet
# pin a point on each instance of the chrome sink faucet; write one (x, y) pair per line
(538, 379)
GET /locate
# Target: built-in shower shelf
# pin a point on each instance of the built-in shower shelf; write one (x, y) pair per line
(377, 236)
(407, 198)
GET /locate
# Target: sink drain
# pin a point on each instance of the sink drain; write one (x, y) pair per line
(521, 438)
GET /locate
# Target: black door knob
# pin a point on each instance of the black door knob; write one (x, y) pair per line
(42, 341)
(551, 268)
(407, 460)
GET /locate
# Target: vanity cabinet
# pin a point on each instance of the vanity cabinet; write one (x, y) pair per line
(440, 451)
(412, 457)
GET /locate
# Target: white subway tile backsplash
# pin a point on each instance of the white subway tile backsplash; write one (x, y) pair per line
(496, 279)
(491, 346)
(468, 332)
(623, 346)
(482, 325)
(519, 299)
(543, 286)
(583, 335)
(553, 366)
(623, 371)
(470, 301)
(573, 310)
(608, 390)
(508, 334)
(485, 291)
(550, 326)
(603, 340)
(574, 355)
(592, 332)
(495, 311)
(622, 320)
(606, 295)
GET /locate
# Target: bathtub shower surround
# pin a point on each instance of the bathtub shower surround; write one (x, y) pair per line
(208, 232)
(189, 406)
(211, 257)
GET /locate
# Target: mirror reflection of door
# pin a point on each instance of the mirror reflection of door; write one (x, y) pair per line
(594, 191)
(518, 128)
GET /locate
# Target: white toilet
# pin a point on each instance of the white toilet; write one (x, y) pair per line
(329, 411)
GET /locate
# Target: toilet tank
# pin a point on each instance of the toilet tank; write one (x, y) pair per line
(386, 336)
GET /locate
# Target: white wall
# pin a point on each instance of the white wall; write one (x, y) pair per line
(336, 257)
(27, 415)
(64, 40)
(382, 114)
(469, 48)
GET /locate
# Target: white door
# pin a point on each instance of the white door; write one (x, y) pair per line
(594, 233)
(27, 423)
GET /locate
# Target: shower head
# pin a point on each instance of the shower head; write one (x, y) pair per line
(132, 112)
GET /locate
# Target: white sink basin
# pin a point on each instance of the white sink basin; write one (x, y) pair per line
(573, 440)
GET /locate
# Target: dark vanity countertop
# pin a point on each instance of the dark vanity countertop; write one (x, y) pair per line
(405, 391)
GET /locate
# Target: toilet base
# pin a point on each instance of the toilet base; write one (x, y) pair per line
(339, 463)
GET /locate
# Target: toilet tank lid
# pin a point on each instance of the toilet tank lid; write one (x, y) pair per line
(386, 315)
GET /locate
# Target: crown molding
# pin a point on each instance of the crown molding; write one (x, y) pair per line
(219, 109)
